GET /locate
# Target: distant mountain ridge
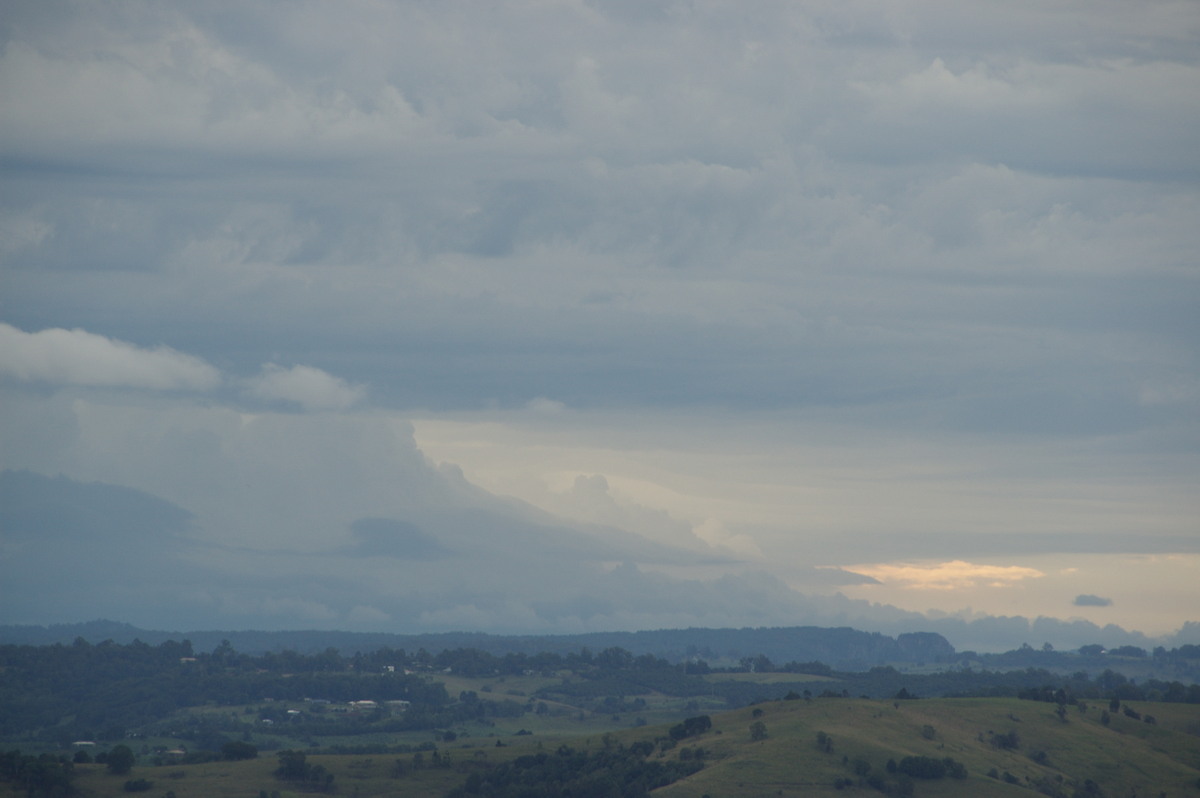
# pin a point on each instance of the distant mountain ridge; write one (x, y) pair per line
(840, 647)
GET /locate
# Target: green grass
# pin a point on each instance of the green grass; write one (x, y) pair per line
(1124, 758)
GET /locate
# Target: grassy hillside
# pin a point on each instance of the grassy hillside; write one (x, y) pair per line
(1125, 758)
(1052, 756)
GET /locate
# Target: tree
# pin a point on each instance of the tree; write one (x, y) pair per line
(758, 730)
(293, 766)
(238, 750)
(120, 760)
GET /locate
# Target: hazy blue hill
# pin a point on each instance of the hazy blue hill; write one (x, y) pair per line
(53, 508)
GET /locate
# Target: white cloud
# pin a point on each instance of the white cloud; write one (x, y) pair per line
(309, 387)
(77, 357)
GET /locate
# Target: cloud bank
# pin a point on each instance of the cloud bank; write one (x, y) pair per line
(821, 284)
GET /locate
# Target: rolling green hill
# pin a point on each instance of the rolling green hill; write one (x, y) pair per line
(825, 746)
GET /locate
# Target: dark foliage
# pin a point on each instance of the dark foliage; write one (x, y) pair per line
(43, 775)
(691, 727)
(294, 766)
(617, 773)
(238, 750)
(120, 760)
(1007, 741)
(922, 767)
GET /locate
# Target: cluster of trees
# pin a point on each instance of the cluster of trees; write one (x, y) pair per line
(1109, 685)
(52, 776)
(620, 772)
(896, 778)
(61, 693)
(1182, 661)
(295, 767)
(82, 691)
(691, 727)
(44, 775)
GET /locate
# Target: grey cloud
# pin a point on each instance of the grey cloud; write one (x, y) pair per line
(1089, 600)
(387, 537)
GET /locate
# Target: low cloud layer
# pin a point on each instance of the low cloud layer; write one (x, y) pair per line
(1089, 600)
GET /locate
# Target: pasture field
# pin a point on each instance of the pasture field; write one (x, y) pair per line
(1048, 755)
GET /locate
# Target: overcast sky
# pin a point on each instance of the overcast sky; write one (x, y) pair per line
(896, 299)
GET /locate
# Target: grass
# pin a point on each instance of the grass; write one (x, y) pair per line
(1123, 758)
(767, 678)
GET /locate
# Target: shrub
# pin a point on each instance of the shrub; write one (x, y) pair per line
(138, 785)
(691, 727)
(922, 767)
(1008, 741)
(238, 750)
(120, 760)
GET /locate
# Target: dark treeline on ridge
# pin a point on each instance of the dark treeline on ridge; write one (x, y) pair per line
(841, 647)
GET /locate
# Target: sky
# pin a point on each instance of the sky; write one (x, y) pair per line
(555, 316)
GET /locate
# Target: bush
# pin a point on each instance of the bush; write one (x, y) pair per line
(922, 767)
(1008, 741)
(691, 727)
(138, 785)
(239, 750)
(120, 760)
